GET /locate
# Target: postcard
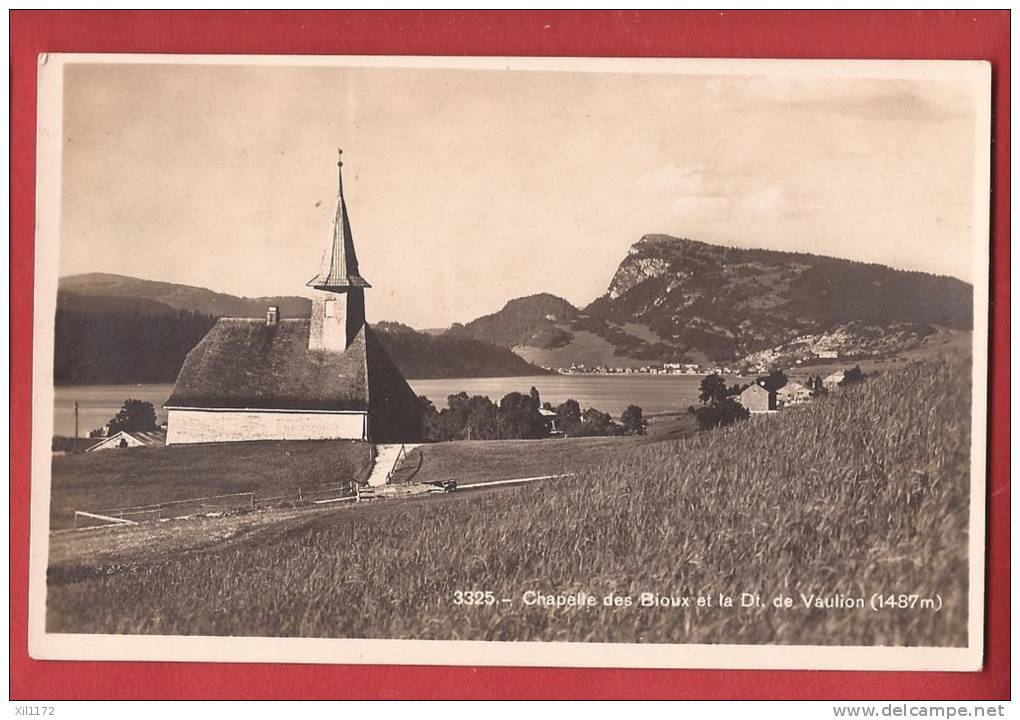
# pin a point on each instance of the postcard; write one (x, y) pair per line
(511, 361)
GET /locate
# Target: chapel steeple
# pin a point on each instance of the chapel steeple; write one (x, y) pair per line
(338, 305)
(340, 264)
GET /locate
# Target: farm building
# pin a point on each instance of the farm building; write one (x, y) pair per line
(832, 381)
(793, 394)
(324, 377)
(124, 439)
(757, 399)
(549, 420)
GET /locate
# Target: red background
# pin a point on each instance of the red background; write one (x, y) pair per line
(765, 34)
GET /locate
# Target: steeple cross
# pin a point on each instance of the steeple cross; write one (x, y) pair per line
(340, 171)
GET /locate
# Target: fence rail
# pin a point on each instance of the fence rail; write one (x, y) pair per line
(310, 495)
(108, 519)
(132, 515)
(401, 454)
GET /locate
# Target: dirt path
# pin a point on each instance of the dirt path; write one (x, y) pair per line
(386, 456)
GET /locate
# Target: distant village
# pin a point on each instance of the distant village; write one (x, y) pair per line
(675, 368)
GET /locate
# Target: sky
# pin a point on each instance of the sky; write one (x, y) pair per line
(469, 187)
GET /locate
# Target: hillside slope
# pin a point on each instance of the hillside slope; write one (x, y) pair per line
(536, 320)
(95, 292)
(864, 491)
(729, 302)
(421, 355)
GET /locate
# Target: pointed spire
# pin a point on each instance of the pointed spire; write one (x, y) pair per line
(340, 264)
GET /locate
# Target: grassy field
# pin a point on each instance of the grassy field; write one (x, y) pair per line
(863, 491)
(586, 348)
(471, 463)
(142, 476)
(105, 480)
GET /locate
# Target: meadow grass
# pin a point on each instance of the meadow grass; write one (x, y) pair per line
(471, 462)
(863, 491)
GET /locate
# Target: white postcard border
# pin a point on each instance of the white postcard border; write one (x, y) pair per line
(57, 646)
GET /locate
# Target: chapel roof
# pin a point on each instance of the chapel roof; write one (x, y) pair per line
(245, 363)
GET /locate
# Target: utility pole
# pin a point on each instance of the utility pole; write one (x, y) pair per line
(75, 419)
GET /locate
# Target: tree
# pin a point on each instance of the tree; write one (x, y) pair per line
(736, 389)
(535, 397)
(853, 376)
(719, 414)
(774, 381)
(568, 416)
(428, 408)
(634, 422)
(134, 416)
(482, 422)
(519, 417)
(463, 417)
(713, 389)
(595, 423)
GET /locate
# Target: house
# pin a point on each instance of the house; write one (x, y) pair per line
(757, 399)
(323, 377)
(549, 418)
(832, 381)
(125, 439)
(793, 394)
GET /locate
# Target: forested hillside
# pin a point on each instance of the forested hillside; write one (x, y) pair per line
(114, 340)
(420, 355)
(110, 348)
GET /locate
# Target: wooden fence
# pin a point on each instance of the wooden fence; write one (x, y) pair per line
(213, 505)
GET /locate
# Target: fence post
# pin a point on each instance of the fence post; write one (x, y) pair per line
(253, 501)
(300, 496)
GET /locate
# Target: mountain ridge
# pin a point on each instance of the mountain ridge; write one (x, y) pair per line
(680, 300)
(113, 329)
(152, 296)
(670, 299)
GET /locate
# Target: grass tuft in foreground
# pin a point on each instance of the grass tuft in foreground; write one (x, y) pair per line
(863, 491)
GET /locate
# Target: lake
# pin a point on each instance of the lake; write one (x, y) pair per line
(609, 393)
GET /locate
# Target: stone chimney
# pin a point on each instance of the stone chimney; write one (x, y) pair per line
(272, 316)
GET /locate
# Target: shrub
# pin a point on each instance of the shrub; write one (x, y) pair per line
(134, 416)
(719, 414)
(634, 422)
(853, 376)
(595, 423)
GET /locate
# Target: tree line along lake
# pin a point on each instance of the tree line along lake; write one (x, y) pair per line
(655, 394)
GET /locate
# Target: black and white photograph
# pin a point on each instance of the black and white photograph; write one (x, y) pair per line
(506, 361)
